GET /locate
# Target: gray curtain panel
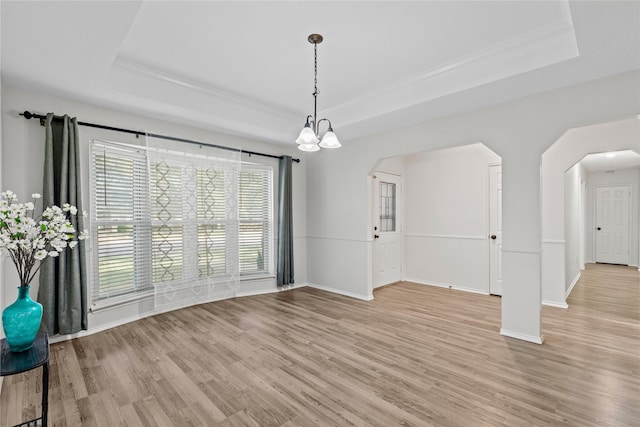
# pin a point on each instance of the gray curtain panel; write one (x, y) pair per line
(63, 280)
(284, 271)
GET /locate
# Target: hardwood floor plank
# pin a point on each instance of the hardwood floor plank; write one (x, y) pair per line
(414, 356)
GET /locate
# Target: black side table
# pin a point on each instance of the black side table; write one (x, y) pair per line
(15, 363)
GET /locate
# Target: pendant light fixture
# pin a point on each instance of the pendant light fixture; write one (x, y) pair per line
(309, 139)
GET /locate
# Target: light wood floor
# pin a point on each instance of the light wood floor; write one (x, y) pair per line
(415, 356)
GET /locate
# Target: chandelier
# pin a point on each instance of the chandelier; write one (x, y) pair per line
(309, 139)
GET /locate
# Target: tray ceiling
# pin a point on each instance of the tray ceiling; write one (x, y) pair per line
(246, 68)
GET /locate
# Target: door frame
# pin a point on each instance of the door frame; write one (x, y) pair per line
(488, 230)
(595, 219)
(583, 224)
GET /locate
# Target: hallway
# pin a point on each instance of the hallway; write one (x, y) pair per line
(600, 331)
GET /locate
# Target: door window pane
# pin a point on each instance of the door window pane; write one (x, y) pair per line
(387, 207)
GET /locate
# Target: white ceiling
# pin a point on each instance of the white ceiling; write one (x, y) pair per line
(611, 161)
(246, 68)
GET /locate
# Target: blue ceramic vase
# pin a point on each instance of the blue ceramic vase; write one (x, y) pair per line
(21, 321)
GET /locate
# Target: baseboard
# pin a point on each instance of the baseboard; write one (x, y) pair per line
(270, 291)
(531, 338)
(420, 282)
(120, 322)
(573, 283)
(555, 304)
(445, 285)
(341, 292)
(472, 290)
(60, 338)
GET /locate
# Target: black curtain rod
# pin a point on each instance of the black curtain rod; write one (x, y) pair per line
(28, 115)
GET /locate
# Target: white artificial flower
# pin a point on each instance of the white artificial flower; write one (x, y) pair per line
(41, 254)
(28, 241)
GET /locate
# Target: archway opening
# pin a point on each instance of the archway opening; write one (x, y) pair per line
(449, 207)
(579, 162)
(601, 198)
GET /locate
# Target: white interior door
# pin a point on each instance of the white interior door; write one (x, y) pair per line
(387, 229)
(612, 224)
(495, 230)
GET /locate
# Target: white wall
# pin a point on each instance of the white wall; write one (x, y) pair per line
(574, 227)
(339, 207)
(393, 165)
(620, 177)
(23, 156)
(447, 217)
(568, 149)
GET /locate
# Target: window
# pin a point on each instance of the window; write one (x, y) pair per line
(172, 221)
(120, 222)
(255, 220)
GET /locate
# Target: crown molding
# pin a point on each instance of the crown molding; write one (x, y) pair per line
(132, 66)
(543, 46)
(193, 103)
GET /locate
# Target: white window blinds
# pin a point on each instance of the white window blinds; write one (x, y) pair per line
(120, 223)
(256, 188)
(182, 225)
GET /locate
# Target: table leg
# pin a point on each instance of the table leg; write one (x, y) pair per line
(45, 392)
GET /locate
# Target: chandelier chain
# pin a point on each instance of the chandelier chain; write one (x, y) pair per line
(315, 69)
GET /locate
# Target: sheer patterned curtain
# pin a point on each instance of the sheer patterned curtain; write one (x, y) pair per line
(194, 224)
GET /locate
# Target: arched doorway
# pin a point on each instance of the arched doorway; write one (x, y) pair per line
(561, 165)
(450, 208)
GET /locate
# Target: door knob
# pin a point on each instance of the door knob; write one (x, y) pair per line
(493, 237)
(375, 236)
(599, 228)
